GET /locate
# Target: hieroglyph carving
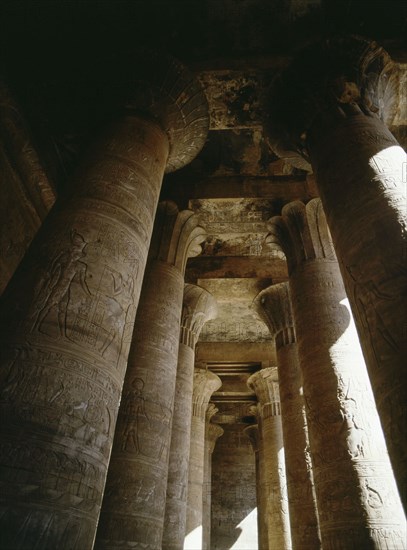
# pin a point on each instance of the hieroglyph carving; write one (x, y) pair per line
(87, 306)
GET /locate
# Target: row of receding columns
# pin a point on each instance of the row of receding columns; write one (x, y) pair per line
(340, 484)
(330, 108)
(67, 322)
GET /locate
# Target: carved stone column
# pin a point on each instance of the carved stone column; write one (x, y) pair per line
(198, 307)
(332, 106)
(265, 384)
(254, 434)
(357, 499)
(205, 383)
(274, 307)
(66, 317)
(134, 501)
(212, 433)
(26, 194)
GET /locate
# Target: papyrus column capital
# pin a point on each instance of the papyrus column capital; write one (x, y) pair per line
(176, 236)
(265, 385)
(164, 90)
(329, 81)
(302, 233)
(205, 383)
(212, 433)
(199, 306)
(274, 307)
(253, 434)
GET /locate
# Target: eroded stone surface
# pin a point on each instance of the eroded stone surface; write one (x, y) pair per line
(212, 434)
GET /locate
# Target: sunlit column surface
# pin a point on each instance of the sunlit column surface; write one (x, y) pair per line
(358, 503)
(274, 307)
(205, 383)
(265, 384)
(253, 433)
(332, 107)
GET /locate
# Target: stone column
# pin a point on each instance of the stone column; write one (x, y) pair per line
(66, 317)
(212, 433)
(265, 384)
(357, 499)
(254, 434)
(26, 194)
(332, 106)
(134, 502)
(198, 307)
(274, 307)
(205, 383)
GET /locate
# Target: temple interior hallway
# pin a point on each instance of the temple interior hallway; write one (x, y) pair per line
(203, 275)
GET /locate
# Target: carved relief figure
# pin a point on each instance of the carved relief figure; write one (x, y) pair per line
(54, 291)
(116, 314)
(367, 297)
(134, 408)
(353, 433)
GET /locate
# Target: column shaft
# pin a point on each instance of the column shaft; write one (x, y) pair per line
(262, 522)
(332, 106)
(357, 499)
(212, 433)
(253, 432)
(198, 307)
(177, 487)
(353, 480)
(274, 307)
(265, 385)
(205, 383)
(300, 485)
(134, 502)
(277, 499)
(66, 322)
(363, 178)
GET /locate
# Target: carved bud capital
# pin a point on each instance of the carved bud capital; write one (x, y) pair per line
(253, 433)
(23, 156)
(212, 433)
(164, 90)
(198, 307)
(265, 385)
(274, 307)
(176, 236)
(211, 410)
(329, 81)
(302, 232)
(205, 383)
